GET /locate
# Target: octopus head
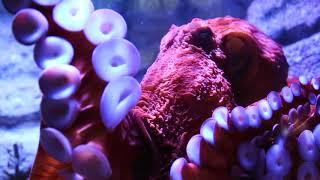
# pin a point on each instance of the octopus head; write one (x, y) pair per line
(203, 65)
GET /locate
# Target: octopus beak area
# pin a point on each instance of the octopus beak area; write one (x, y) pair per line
(203, 37)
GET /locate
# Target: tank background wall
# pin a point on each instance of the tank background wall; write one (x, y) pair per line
(294, 24)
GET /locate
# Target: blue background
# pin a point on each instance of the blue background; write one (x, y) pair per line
(294, 24)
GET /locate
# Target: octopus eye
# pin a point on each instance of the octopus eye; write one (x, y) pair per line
(204, 38)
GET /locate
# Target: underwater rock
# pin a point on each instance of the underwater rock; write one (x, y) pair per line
(274, 17)
(19, 99)
(20, 96)
(303, 56)
(10, 121)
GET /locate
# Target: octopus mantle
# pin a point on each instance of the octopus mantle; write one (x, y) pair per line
(203, 65)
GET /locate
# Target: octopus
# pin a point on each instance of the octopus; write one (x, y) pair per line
(217, 103)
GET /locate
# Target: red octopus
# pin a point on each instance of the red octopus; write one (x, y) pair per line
(213, 102)
(201, 65)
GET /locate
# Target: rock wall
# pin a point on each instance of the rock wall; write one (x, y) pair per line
(19, 102)
(296, 25)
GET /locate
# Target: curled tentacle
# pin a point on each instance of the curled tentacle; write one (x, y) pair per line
(286, 137)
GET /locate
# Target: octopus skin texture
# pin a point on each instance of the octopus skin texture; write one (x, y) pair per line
(203, 65)
(215, 104)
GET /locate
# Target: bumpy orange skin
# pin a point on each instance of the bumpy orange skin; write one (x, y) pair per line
(195, 72)
(201, 65)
